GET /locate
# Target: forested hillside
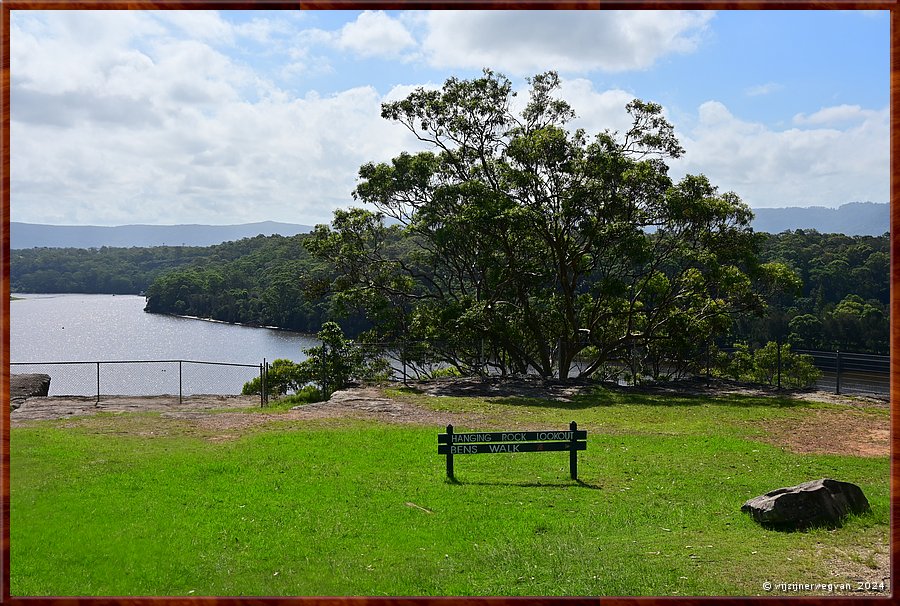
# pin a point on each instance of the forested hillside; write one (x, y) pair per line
(844, 301)
(118, 271)
(273, 281)
(265, 281)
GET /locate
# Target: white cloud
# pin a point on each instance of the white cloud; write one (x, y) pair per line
(117, 118)
(177, 132)
(206, 26)
(524, 42)
(836, 115)
(402, 91)
(596, 110)
(763, 89)
(793, 167)
(375, 34)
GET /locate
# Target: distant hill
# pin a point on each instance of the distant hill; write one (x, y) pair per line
(854, 219)
(33, 235)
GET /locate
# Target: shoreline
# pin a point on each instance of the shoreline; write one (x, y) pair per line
(244, 324)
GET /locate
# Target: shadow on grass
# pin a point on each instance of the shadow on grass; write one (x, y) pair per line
(614, 398)
(570, 484)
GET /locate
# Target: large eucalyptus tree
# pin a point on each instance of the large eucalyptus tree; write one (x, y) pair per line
(533, 243)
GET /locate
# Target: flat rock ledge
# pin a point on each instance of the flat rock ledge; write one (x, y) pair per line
(818, 502)
(24, 386)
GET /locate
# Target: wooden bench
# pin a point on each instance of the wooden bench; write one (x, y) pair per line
(550, 440)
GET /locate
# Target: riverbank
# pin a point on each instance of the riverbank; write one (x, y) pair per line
(244, 324)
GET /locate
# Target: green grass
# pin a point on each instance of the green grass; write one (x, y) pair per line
(351, 508)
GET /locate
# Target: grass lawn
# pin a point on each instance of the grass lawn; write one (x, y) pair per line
(342, 507)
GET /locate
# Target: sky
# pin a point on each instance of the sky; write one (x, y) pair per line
(225, 117)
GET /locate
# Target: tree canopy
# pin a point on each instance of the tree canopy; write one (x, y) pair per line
(528, 244)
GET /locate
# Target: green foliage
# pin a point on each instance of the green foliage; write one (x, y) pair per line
(445, 373)
(528, 242)
(843, 299)
(96, 270)
(761, 365)
(282, 376)
(332, 365)
(307, 394)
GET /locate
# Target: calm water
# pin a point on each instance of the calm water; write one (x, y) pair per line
(68, 328)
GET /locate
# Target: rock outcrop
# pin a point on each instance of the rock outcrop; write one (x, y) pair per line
(819, 502)
(22, 387)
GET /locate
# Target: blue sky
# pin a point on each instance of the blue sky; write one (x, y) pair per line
(237, 116)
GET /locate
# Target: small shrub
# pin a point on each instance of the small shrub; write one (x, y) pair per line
(306, 395)
(445, 373)
(761, 366)
(284, 376)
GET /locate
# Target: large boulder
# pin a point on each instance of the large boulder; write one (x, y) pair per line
(26, 386)
(819, 502)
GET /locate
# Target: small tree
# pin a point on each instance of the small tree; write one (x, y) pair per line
(338, 361)
(282, 376)
(332, 365)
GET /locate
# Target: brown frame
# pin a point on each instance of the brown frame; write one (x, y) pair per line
(9, 5)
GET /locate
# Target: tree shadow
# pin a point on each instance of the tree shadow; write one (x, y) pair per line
(642, 398)
(579, 394)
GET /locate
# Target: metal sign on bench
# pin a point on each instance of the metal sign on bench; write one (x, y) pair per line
(482, 442)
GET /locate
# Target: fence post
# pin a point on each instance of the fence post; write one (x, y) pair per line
(265, 382)
(837, 386)
(179, 382)
(98, 382)
(481, 362)
(707, 363)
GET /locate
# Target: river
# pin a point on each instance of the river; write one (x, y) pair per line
(92, 328)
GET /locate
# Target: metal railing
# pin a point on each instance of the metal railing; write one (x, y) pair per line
(849, 372)
(842, 372)
(142, 377)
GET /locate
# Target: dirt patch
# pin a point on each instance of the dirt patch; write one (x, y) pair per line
(723, 387)
(842, 432)
(849, 431)
(365, 403)
(865, 569)
(61, 407)
(210, 415)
